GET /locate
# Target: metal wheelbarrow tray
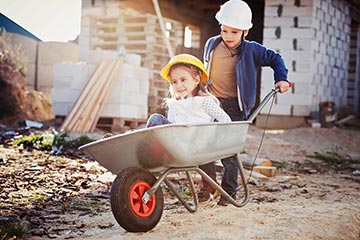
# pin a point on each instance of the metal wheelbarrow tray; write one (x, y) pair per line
(142, 159)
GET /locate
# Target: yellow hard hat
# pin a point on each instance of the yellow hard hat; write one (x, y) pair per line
(183, 58)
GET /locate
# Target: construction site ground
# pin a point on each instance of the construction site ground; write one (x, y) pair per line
(309, 198)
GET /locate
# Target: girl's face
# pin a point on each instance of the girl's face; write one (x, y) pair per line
(183, 82)
(232, 36)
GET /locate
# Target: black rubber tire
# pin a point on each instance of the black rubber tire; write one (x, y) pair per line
(121, 203)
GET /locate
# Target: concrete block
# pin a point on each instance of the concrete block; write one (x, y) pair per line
(288, 3)
(300, 66)
(64, 95)
(63, 83)
(275, 2)
(86, 73)
(301, 56)
(57, 52)
(294, 99)
(144, 87)
(301, 110)
(289, 21)
(132, 85)
(277, 109)
(133, 59)
(65, 74)
(96, 56)
(61, 109)
(72, 76)
(288, 11)
(300, 77)
(45, 75)
(290, 33)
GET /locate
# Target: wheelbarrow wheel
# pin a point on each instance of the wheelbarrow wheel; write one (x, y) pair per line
(127, 206)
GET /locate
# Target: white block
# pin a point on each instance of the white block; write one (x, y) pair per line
(96, 56)
(276, 109)
(300, 77)
(290, 33)
(301, 110)
(61, 109)
(64, 95)
(57, 52)
(133, 59)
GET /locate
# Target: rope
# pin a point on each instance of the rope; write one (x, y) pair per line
(261, 140)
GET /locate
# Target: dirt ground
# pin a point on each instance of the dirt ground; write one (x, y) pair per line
(309, 198)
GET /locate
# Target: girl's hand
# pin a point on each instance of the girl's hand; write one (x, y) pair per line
(283, 86)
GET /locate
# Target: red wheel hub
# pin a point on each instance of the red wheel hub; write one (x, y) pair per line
(137, 205)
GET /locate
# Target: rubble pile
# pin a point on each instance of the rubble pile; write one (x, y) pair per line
(17, 103)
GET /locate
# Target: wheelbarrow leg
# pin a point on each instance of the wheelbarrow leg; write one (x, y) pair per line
(243, 178)
(222, 191)
(191, 207)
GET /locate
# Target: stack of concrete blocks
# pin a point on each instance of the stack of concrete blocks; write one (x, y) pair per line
(41, 56)
(69, 80)
(127, 97)
(313, 38)
(49, 54)
(110, 26)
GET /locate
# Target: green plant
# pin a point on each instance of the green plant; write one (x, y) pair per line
(333, 158)
(39, 142)
(64, 140)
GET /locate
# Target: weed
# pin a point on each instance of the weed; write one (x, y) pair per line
(12, 231)
(81, 205)
(39, 142)
(333, 158)
(64, 140)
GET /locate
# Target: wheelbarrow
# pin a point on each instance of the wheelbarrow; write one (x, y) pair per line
(143, 159)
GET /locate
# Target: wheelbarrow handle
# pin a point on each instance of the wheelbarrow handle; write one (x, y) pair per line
(264, 101)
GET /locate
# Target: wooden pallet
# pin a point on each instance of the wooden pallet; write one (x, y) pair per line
(119, 125)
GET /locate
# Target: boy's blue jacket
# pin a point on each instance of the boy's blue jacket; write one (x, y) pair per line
(251, 56)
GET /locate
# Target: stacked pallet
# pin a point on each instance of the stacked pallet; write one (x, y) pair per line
(118, 29)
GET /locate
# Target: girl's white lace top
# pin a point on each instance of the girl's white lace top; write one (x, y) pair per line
(198, 109)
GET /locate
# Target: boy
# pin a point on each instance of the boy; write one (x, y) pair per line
(232, 63)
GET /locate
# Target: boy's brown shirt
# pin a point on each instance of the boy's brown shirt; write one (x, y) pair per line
(222, 73)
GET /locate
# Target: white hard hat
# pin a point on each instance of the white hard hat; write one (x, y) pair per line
(235, 14)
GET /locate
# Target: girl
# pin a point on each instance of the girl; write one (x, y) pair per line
(189, 101)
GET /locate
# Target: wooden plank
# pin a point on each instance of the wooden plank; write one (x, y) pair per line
(89, 104)
(103, 97)
(89, 85)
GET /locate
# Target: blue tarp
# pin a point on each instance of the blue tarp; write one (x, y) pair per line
(12, 27)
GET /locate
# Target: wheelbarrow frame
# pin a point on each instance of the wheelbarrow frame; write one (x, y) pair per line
(149, 159)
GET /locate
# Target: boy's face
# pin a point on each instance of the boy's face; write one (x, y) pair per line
(232, 36)
(182, 81)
